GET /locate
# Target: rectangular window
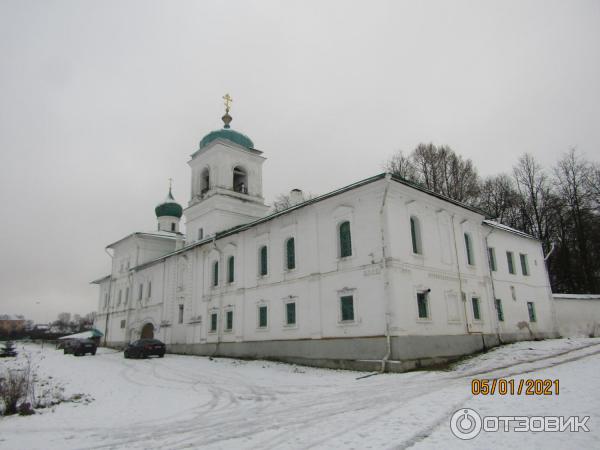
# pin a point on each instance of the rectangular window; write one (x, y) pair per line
(290, 248)
(531, 311)
(345, 240)
(524, 264)
(347, 305)
(213, 322)
(215, 273)
(290, 313)
(476, 310)
(262, 316)
(511, 262)
(415, 235)
(229, 321)
(141, 292)
(263, 261)
(492, 259)
(180, 314)
(119, 300)
(200, 234)
(122, 323)
(499, 310)
(422, 305)
(126, 295)
(230, 269)
(149, 289)
(469, 249)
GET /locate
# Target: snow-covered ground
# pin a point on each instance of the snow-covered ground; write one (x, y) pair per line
(195, 402)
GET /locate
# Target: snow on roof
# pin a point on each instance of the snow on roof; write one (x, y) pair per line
(84, 335)
(11, 317)
(577, 296)
(159, 234)
(500, 226)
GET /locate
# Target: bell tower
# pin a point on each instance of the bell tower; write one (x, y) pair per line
(226, 182)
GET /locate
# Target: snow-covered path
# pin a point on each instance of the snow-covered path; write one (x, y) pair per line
(192, 402)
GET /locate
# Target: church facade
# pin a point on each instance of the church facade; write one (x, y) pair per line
(377, 274)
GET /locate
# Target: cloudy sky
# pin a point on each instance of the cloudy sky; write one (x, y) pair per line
(102, 102)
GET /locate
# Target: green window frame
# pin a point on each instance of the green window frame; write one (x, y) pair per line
(290, 313)
(511, 262)
(476, 308)
(531, 312)
(229, 320)
(524, 264)
(215, 273)
(263, 316)
(263, 261)
(499, 310)
(290, 254)
(347, 308)
(492, 259)
(469, 249)
(214, 320)
(423, 305)
(345, 237)
(231, 269)
(415, 235)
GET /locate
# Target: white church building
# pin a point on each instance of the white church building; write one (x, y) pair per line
(378, 274)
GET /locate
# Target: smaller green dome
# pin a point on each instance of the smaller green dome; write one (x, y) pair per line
(169, 207)
(228, 134)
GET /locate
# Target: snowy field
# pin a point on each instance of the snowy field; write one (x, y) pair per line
(194, 402)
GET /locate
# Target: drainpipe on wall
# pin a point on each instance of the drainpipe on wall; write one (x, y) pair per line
(109, 296)
(493, 286)
(386, 281)
(463, 298)
(220, 315)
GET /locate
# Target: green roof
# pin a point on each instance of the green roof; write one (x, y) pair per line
(229, 135)
(169, 207)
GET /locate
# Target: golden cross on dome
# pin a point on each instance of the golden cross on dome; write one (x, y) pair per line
(228, 101)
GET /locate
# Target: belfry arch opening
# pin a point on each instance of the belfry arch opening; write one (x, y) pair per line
(240, 180)
(204, 181)
(147, 331)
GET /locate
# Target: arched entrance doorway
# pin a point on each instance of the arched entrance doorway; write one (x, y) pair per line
(147, 331)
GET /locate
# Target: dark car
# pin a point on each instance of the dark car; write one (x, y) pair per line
(144, 348)
(80, 347)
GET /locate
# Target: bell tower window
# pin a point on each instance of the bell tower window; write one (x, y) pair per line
(240, 180)
(204, 181)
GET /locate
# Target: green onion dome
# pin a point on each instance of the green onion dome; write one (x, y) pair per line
(227, 134)
(169, 207)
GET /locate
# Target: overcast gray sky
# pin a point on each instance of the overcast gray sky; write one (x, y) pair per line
(102, 102)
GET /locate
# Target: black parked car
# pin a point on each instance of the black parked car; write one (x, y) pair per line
(80, 347)
(144, 348)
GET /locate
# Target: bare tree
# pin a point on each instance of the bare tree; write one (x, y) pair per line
(439, 169)
(499, 198)
(401, 166)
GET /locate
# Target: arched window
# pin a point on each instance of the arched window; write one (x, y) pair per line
(290, 254)
(345, 239)
(240, 180)
(263, 266)
(230, 269)
(204, 181)
(215, 273)
(469, 249)
(415, 234)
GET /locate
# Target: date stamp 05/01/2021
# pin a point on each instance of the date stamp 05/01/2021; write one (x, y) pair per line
(502, 386)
